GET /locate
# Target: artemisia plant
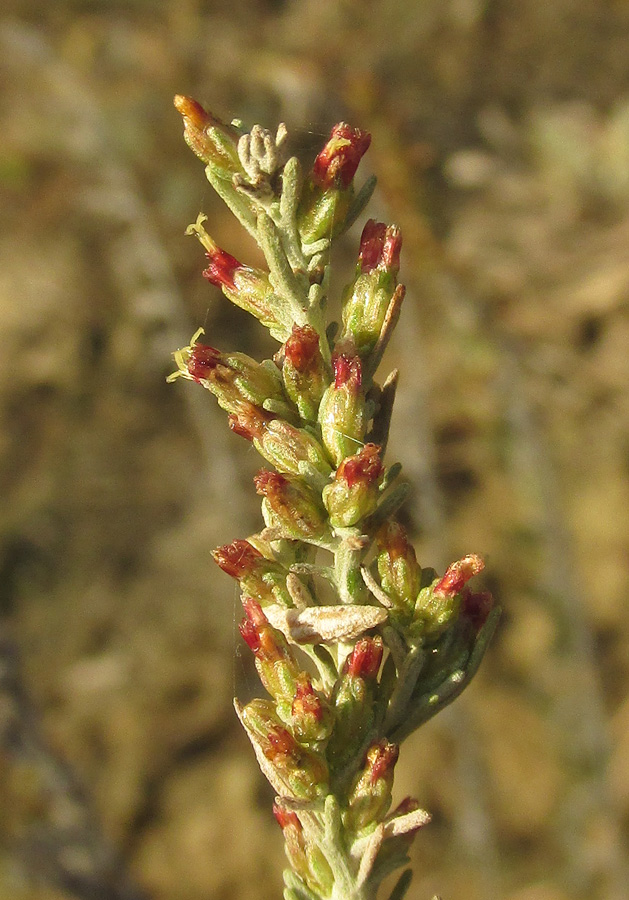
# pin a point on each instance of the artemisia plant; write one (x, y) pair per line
(355, 643)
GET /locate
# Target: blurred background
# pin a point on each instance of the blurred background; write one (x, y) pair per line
(501, 144)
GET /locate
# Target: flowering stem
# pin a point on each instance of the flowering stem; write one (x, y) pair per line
(356, 644)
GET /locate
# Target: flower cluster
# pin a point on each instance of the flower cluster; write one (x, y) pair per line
(355, 643)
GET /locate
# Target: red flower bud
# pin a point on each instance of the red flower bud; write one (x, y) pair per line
(458, 574)
(347, 371)
(336, 164)
(221, 269)
(202, 361)
(238, 558)
(364, 468)
(364, 660)
(286, 818)
(380, 247)
(302, 348)
(381, 758)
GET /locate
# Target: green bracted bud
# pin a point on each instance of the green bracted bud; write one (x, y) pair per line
(261, 578)
(210, 139)
(400, 573)
(370, 795)
(353, 700)
(304, 371)
(291, 507)
(311, 717)
(288, 762)
(438, 604)
(233, 378)
(354, 492)
(367, 299)
(276, 666)
(286, 447)
(342, 413)
(329, 192)
(306, 859)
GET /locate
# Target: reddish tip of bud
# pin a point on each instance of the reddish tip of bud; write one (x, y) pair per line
(337, 163)
(365, 467)
(458, 574)
(286, 817)
(281, 744)
(476, 607)
(380, 247)
(364, 660)
(221, 269)
(381, 758)
(306, 701)
(347, 370)
(302, 347)
(237, 559)
(392, 537)
(202, 361)
(192, 111)
(250, 634)
(269, 483)
(250, 422)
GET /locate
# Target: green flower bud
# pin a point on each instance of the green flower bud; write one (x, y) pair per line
(398, 568)
(328, 194)
(233, 378)
(370, 794)
(285, 447)
(209, 138)
(439, 603)
(260, 578)
(342, 414)
(304, 371)
(290, 506)
(354, 492)
(304, 771)
(353, 700)
(367, 299)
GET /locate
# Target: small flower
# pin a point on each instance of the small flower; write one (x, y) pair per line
(288, 448)
(234, 378)
(305, 858)
(438, 604)
(311, 718)
(380, 247)
(342, 413)
(304, 372)
(370, 796)
(354, 701)
(246, 287)
(260, 578)
(328, 194)
(458, 574)
(336, 164)
(354, 492)
(364, 660)
(368, 298)
(276, 667)
(291, 506)
(209, 138)
(398, 568)
(292, 769)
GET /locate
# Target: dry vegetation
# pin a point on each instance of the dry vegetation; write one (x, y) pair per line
(501, 142)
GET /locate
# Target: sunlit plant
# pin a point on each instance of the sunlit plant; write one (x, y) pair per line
(356, 644)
